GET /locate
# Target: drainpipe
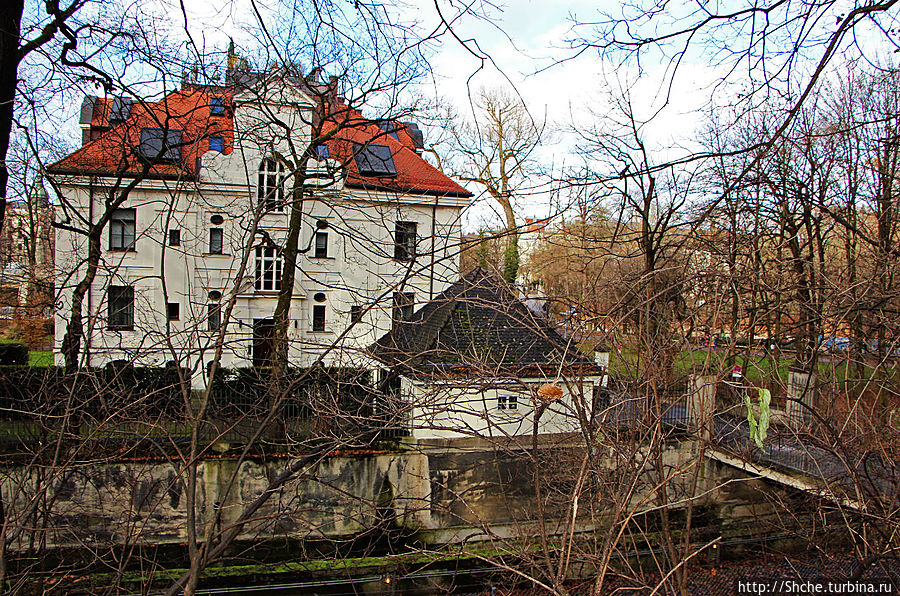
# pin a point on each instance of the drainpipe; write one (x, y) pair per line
(433, 224)
(90, 291)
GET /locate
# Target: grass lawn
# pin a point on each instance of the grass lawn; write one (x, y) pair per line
(761, 370)
(40, 358)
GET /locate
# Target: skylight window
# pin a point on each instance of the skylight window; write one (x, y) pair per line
(374, 160)
(157, 143)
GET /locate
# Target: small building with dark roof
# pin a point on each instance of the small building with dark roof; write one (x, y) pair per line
(476, 361)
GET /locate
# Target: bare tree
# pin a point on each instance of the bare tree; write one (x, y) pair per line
(496, 150)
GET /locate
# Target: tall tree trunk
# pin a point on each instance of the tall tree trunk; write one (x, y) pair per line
(288, 273)
(10, 23)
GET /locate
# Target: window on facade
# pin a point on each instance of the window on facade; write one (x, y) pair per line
(120, 307)
(405, 240)
(173, 311)
(213, 317)
(318, 317)
(356, 311)
(321, 250)
(217, 106)
(161, 144)
(404, 302)
(268, 269)
(374, 160)
(216, 241)
(121, 229)
(174, 237)
(507, 401)
(270, 185)
(321, 151)
(217, 143)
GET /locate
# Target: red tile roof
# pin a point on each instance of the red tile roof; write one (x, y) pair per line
(115, 150)
(414, 174)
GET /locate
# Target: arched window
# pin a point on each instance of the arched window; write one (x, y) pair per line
(270, 185)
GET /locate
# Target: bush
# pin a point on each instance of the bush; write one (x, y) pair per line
(126, 392)
(241, 392)
(13, 355)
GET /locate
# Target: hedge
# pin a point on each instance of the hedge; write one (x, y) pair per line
(129, 392)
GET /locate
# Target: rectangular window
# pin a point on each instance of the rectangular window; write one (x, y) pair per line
(318, 313)
(119, 110)
(213, 317)
(121, 229)
(174, 237)
(321, 245)
(216, 242)
(270, 185)
(217, 143)
(322, 152)
(268, 269)
(356, 313)
(507, 401)
(405, 240)
(173, 310)
(120, 307)
(217, 106)
(159, 144)
(404, 303)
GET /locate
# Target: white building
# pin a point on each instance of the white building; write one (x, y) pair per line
(476, 362)
(208, 173)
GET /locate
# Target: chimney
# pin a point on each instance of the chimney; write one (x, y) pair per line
(416, 135)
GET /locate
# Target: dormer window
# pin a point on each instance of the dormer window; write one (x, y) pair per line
(217, 143)
(390, 127)
(374, 160)
(119, 110)
(270, 185)
(158, 144)
(217, 106)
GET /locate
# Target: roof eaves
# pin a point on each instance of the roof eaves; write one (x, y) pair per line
(407, 188)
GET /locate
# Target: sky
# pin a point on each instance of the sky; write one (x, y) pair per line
(525, 47)
(523, 42)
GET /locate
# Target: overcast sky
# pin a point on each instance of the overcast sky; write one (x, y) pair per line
(522, 41)
(525, 44)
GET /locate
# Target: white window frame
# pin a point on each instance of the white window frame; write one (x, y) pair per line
(268, 269)
(270, 185)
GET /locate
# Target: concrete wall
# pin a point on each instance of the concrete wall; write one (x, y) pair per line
(495, 409)
(440, 490)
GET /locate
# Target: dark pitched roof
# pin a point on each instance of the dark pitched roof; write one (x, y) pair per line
(478, 326)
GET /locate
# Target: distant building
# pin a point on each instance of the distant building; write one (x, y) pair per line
(27, 245)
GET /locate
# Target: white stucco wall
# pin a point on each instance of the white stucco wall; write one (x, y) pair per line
(359, 270)
(472, 409)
